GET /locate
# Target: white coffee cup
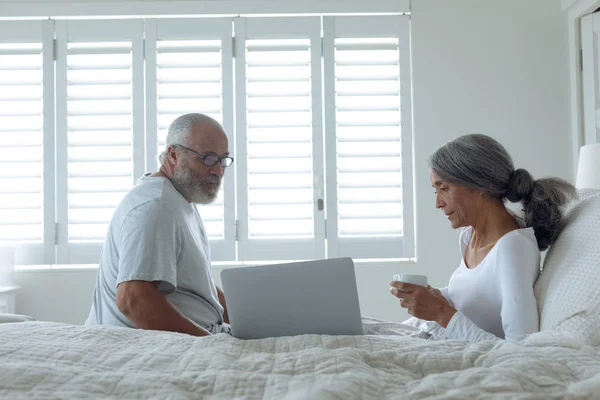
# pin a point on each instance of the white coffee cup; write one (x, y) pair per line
(419, 280)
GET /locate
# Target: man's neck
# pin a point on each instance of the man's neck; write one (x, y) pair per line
(164, 173)
(161, 173)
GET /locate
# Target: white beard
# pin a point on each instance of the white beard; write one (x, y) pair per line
(191, 186)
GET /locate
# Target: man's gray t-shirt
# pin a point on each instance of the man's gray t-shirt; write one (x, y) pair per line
(157, 235)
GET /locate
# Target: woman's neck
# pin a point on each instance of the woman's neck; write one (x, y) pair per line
(491, 223)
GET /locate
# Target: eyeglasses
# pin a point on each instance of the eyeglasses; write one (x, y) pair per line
(210, 160)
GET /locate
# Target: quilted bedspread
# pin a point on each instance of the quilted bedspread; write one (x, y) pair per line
(51, 360)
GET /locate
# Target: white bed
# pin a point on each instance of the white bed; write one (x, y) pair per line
(50, 360)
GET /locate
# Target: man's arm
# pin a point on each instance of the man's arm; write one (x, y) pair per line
(222, 301)
(148, 308)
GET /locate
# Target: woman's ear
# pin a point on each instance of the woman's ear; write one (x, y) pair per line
(480, 195)
(476, 192)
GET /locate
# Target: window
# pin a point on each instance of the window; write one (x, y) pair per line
(190, 69)
(100, 138)
(26, 140)
(317, 110)
(368, 141)
(189, 79)
(279, 138)
(21, 141)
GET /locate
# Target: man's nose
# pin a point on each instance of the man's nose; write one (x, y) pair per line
(217, 169)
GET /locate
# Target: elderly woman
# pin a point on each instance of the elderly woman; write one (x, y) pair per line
(490, 294)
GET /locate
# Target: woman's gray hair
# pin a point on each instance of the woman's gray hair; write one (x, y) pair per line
(479, 162)
(180, 129)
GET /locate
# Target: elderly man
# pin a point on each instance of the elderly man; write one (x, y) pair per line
(155, 268)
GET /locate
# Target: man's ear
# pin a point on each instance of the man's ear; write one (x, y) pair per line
(172, 154)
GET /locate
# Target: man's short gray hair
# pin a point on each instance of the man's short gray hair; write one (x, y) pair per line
(181, 128)
(479, 162)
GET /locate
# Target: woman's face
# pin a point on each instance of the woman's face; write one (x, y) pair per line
(458, 203)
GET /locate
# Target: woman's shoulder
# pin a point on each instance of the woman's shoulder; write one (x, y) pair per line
(518, 255)
(523, 238)
(518, 246)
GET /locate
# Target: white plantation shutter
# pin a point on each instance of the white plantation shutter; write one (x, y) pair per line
(368, 140)
(279, 138)
(25, 93)
(84, 115)
(189, 64)
(100, 137)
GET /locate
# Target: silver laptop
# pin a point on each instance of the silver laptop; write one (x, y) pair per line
(317, 297)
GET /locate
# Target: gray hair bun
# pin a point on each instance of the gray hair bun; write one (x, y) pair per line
(520, 186)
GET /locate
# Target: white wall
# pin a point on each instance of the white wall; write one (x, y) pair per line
(61, 295)
(479, 66)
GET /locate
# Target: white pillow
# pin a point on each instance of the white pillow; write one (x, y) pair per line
(568, 289)
(4, 318)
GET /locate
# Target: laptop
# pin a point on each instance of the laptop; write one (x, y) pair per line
(311, 297)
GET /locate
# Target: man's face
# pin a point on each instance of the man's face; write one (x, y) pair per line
(197, 182)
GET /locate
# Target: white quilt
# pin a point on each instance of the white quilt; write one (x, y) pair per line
(50, 360)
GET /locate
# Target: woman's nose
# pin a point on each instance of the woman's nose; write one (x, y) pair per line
(438, 201)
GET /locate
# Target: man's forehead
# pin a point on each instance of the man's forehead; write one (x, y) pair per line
(207, 128)
(208, 135)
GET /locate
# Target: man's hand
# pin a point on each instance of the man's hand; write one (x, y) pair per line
(222, 301)
(424, 303)
(148, 308)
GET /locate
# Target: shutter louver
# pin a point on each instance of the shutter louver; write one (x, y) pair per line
(99, 134)
(190, 81)
(189, 69)
(369, 154)
(99, 129)
(21, 143)
(369, 137)
(279, 138)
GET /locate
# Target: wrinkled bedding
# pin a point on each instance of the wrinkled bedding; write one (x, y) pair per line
(51, 360)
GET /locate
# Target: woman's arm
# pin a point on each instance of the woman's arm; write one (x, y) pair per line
(462, 328)
(517, 268)
(428, 305)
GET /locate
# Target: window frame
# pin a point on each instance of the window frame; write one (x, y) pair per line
(250, 249)
(157, 29)
(369, 27)
(88, 252)
(39, 32)
(236, 247)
